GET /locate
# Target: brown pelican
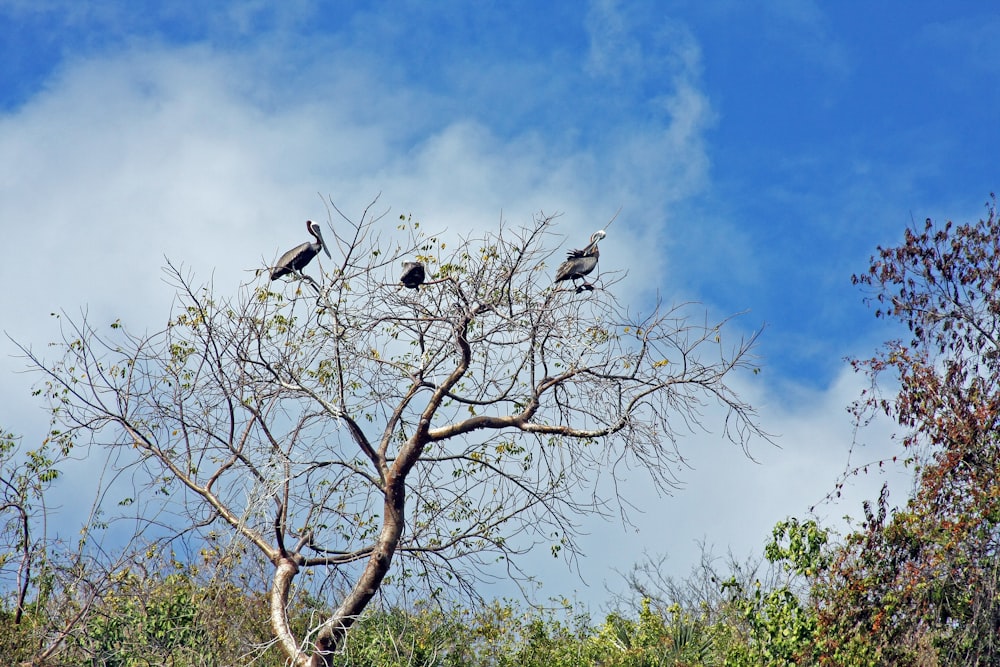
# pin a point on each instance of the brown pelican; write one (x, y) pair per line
(413, 275)
(579, 263)
(296, 259)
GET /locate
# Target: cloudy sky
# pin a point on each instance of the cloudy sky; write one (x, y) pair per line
(759, 151)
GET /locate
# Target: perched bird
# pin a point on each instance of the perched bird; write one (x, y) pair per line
(296, 259)
(579, 263)
(413, 275)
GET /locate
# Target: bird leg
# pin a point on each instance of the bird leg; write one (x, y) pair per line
(305, 277)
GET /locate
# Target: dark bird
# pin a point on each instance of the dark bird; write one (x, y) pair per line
(579, 263)
(296, 259)
(413, 275)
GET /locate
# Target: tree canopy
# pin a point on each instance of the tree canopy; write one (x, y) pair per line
(340, 425)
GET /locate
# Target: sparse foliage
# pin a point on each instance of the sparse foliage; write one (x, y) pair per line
(49, 585)
(335, 427)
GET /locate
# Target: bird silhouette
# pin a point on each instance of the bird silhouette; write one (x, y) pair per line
(579, 263)
(413, 275)
(298, 257)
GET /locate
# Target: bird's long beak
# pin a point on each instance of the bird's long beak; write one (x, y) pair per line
(319, 235)
(593, 243)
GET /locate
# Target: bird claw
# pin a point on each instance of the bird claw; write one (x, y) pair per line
(586, 286)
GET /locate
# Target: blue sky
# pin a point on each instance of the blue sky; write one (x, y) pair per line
(760, 151)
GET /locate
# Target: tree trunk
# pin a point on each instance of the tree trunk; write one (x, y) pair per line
(285, 570)
(331, 635)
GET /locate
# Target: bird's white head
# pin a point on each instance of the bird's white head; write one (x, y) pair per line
(598, 235)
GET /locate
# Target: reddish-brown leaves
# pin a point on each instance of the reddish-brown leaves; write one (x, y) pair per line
(929, 574)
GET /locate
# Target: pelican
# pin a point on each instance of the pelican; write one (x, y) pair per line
(296, 259)
(579, 263)
(413, 275)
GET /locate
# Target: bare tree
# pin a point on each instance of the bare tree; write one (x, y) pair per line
(344, 424)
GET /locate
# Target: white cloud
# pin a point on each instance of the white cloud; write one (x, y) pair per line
(215, 159)
(189, 153)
